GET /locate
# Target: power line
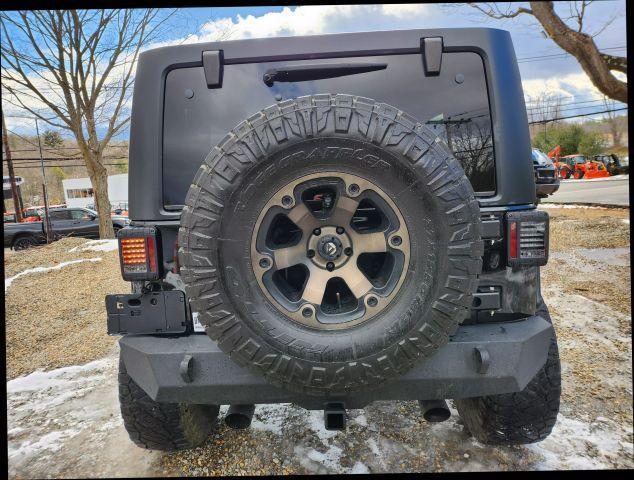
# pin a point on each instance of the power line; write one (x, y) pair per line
(558, 55)
(56, 159)
(69, 166)
(576, 116)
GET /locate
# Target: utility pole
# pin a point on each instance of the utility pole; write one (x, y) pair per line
(47, 221)
(17, 206)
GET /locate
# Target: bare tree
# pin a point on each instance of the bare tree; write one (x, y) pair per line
(74, 70)
(612, 121)
(541, 108)
(597, 65)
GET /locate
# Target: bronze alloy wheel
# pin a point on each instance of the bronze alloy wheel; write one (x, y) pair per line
(330, 250)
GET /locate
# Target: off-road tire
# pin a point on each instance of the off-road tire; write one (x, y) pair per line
(23, 242)
(522, 417)
(578, 175)
(305, 136)
(162, 426)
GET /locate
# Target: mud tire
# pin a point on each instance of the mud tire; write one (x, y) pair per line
(522, 417)
(162, 426)
(23, 242)
(304, 136)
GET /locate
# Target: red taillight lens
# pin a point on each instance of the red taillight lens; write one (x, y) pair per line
(513, 240)
(139, 253)
(151, 253)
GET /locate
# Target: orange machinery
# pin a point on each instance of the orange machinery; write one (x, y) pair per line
(576, 166)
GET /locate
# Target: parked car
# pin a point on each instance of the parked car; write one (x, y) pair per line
(363, 228)
(118, 208)
(546, 179)
(613, 164)
(79, 222)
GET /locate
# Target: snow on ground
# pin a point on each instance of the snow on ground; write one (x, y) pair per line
(580, 445)
(9, 281)
(66, 421)
(106, 245)
(569, 205)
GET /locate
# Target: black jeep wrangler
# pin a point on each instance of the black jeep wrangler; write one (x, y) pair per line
(330, 221)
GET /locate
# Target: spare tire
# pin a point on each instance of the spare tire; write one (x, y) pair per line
(329, 242)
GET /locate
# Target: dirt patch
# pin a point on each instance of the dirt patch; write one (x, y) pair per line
(44, 255)
(588, 228)
(57, 317)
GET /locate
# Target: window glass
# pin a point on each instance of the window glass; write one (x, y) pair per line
(453, 104)
(79, 214)
(60, 215)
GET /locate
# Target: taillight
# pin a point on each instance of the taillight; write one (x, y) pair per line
(513, 240)
(527, 237)
(139, 253)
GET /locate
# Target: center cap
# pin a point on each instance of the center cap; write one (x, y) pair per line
(329, 247)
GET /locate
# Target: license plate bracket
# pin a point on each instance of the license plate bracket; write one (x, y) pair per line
(157, 313)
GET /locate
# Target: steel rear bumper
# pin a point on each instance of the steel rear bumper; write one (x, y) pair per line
(479, 360)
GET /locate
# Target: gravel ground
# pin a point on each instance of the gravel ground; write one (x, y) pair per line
(66, 423)
(57, 317)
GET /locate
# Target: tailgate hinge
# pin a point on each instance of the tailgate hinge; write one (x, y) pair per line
(431, 48)
(213, 62)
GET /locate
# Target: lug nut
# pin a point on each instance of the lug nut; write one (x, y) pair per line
(396, 240)
(330, 266)
(340, 230)
(307, 312)
(347, 251)
(310, 253)
(353, 189)
(317, 232)
(287, 200)
(265, 263)
(373, 302)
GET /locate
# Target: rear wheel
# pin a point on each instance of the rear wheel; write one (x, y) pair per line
(521, 417)
(162, 426)
(564, 173)
(22, 243)
(329, 243)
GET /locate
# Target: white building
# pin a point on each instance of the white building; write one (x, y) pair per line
(78, 191)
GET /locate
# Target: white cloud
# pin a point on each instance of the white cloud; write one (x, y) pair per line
(310, 20)
(565, 86)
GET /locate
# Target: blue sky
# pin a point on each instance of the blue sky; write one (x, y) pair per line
(560, 76)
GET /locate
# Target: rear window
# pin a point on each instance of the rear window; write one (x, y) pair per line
(454, 104)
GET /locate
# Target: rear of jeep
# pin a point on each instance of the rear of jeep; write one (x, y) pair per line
(331, 221)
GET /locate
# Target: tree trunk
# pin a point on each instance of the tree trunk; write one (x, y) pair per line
(99, 180)
(582, 47)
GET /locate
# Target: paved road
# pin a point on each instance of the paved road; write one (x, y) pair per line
(610, 191)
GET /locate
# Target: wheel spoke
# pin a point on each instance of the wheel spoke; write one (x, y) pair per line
(343, 212)
(301, 216)
(316, 285)
(289, 256)
(357, 282)
(369, 242)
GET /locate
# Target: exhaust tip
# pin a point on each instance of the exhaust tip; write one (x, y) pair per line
(436, 415)
(239, 417)
(435, 411)
(335, 416)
